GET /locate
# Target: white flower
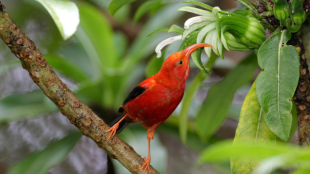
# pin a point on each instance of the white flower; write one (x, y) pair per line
(198, 19)
(165, 42)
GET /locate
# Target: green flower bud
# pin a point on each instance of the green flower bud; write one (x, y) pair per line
(298, 15)
(239, 30)
(245, 30)
(292, 27)
(233, 44)
(281, 10)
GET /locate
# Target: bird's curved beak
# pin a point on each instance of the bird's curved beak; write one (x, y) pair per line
(189, 50)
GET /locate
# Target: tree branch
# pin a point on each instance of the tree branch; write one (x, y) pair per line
(78, 113)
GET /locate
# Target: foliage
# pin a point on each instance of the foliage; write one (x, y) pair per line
(270, 155)
(251, 127)
(41, 161)
(279, 78)
(214, 104)
(65, 14)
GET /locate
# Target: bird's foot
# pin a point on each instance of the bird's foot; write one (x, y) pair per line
(112, 131)
(146, 165)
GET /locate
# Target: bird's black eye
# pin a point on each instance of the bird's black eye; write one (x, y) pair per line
(180, 62)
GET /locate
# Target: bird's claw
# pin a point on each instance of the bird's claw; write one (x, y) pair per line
(146, 165)
(112, 131)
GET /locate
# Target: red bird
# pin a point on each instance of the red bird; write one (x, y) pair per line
(154, 99)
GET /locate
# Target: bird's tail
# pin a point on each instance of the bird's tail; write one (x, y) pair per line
(122, 124)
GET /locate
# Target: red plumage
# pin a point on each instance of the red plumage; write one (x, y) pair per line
(154, 99)
(155, 105)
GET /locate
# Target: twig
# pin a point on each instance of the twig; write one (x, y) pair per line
(77, 112)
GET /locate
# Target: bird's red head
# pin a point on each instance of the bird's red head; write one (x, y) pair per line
(176, 66)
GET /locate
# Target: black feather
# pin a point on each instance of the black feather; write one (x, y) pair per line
(134, 93)
(122, 124)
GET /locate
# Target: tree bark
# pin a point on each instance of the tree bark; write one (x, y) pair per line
(302, 93)
(78, 113)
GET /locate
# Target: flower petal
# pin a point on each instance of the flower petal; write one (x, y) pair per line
(165, 42)
(198, 19)
(220, 48)
(204, 31)
(193, 28)
(214, 42)
(208, 39)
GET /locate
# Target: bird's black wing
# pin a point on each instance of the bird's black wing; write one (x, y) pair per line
(132, 95)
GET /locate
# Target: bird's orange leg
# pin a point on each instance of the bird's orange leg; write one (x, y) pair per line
(147, 161)
(114, 128)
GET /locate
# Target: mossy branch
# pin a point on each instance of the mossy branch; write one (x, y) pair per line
(77, 112)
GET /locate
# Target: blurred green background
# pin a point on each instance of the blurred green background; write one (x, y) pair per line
(102, 62)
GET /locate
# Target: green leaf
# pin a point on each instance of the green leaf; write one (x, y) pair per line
(176, 29)
(23, 106)
(33, 97)
(41, 161)
(199, 4)
(9, 114)
(143, 45)
(294, 121)
(251, 127)
(96, 88)
(120, 42)
(123, 14)
(66, 67)
(297, 156)
(217, 104)
(223, 150)
(96, 36)
(196, 56)
(65, 14)
(277, 83)
(158, 30)
(146, 7)
(173, 29)
(301, 171)
(154, 66)
(4, 67)
(75, 53)
(115, 5)
(272, 156)
(188, 97)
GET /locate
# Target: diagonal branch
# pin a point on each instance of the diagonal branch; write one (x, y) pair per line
(77, 112)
